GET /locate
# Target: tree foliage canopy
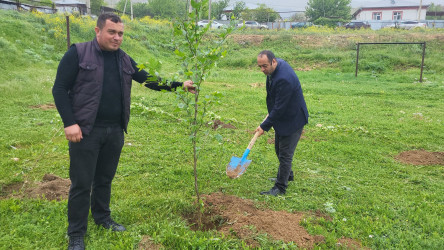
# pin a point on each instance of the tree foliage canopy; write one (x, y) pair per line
(328, 12)
(239, 7)
(167, 9)
(261, 14)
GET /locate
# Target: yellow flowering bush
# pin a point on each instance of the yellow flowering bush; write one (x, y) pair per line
(151, 21)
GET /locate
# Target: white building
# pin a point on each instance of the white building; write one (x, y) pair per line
(391, 10)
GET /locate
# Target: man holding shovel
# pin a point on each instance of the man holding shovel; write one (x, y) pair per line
(287, 114)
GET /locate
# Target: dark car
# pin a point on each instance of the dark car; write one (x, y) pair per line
(301, 25)
(357, 25)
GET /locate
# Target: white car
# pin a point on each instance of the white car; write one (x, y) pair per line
(252, 25)
(407, 25)
(214, 24)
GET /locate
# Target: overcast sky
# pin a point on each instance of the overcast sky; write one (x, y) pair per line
(299, 5)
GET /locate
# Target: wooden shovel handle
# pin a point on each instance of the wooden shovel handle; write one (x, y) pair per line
(253, 140)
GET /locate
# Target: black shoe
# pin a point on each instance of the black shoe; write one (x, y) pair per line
(273, 191)
(76, 243)
(109, 223)
(290, 178)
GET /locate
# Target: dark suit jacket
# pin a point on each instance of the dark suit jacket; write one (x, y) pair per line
(287, 111)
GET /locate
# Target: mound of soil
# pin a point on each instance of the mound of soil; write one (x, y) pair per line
(219, 124)
(421, 157)
(52, 188)
(242, 219)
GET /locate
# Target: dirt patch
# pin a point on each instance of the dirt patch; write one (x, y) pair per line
(242, 219)
(10, 189)
(348, 243)
(51, 188)
(247, 39)
(148, 244)
(257, 85)
(219, 124)
(44, 106)
(421, 157)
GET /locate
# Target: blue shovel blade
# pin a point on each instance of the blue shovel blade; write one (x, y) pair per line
(237, 166)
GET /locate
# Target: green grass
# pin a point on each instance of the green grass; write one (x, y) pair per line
(346, 168)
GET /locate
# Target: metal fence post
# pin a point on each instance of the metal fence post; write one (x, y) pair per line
(357, 59)
(422, 62)
(68, 38)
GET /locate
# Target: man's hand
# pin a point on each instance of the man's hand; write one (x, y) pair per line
(188, 86)
(73, 133)
(260, 130)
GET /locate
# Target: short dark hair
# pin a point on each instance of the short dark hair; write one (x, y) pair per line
(107, 16)
(269, 55)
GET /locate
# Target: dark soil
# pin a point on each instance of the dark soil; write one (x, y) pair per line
(219, 124)
(51, 188)
(421, 157)
(241, 218)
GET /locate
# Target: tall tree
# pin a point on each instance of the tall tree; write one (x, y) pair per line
(239, 7)
(167, 8)
(217, 8)
(261, 14)
(328, 12)
(95, 6)
(264, 14)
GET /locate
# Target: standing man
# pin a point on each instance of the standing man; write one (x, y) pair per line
(287, 114)
(92, 93)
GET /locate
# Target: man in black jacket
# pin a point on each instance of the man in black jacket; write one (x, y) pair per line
(287, 114)
(92, 94)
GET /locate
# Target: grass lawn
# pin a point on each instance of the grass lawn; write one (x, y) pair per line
(345, 165)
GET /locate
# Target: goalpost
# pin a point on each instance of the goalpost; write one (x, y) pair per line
(422, 62)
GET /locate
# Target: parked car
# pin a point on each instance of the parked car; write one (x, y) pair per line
(253, 25)
(301, 25)
(411, 25)
(357, 25)
(214, 24)
(407, 25)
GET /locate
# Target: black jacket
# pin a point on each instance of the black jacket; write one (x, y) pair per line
(287, 111)
(79, 83)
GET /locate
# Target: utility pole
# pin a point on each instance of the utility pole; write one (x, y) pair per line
(209, 10)
(419, 10)
(131, 3)
(190, 7)
(88, 7)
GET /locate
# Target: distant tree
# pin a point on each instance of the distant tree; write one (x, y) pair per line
(328, 12)
(167, 8)
(298, 17)
(434, 8)
(141, 10)
(95, 6)
(264, 14)
(239, 7)
(217, 8)
(261, 14)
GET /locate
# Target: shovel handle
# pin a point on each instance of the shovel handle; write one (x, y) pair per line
(256, 135)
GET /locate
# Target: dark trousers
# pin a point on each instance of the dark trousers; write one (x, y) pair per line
(93, 164)
(285, 147)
